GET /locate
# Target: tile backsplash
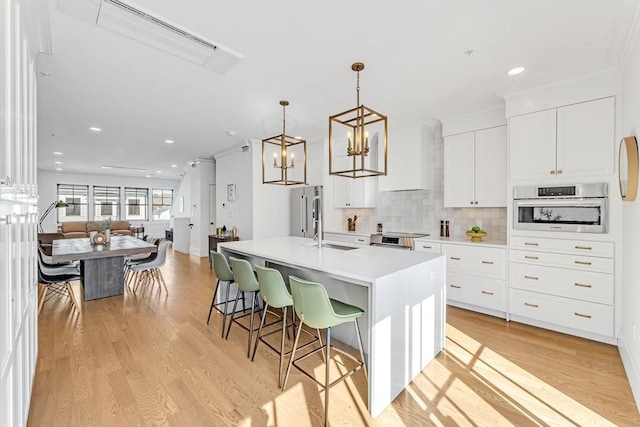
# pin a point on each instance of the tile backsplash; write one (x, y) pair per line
(422, 210)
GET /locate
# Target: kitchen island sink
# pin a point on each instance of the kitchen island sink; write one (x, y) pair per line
(402, 293)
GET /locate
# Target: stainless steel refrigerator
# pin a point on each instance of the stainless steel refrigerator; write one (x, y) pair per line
(306, 206)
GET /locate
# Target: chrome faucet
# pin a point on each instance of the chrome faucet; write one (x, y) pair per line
(317, 219)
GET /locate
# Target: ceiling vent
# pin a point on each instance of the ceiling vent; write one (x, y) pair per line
(136, 24)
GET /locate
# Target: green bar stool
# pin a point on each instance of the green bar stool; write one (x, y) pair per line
(316, 310)
(224, 274)
(245, 280)
(275, 295)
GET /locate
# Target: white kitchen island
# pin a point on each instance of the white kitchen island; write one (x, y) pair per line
(402, 293)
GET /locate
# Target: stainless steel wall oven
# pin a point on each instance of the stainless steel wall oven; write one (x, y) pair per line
(580, 208)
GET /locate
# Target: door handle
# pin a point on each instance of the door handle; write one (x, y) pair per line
(530, 257)
(531, 277)
(582, 262)
(530, 244)
(582, 285)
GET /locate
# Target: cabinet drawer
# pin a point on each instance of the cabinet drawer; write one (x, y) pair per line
(480, 291)
(338, 238)
(582, 285)
(575, 262)
(361, 240)
(427, 247)
(582, 315)
(478, 261)
(577, 247)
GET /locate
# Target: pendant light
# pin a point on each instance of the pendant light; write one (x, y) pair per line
(283, 149)
(358, 139)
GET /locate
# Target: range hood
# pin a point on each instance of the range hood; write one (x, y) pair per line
(137, 24)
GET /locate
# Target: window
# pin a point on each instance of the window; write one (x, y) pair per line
(75, 196)
(161, 203)
(106, 202)
(137, 202)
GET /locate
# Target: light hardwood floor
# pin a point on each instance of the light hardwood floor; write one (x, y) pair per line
(151, 359)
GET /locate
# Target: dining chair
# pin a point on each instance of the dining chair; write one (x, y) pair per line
(57, 280)
(316, 310)
(149, 272)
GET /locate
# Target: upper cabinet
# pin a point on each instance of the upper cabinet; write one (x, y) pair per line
(475, 169)
(408, 162)
(353, 193)
(572, 141)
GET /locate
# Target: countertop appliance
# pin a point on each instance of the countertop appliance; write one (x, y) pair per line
(306, 206)
(399, 240)
(579, 208)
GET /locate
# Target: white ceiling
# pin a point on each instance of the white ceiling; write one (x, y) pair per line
(302, 51)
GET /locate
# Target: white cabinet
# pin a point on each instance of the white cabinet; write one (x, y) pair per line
(572, 141)
(354, 193)
(567, 285)
(476, 274)
(352, 239)
(475, 168)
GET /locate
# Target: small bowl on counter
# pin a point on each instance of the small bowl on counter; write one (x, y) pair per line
(476, 237)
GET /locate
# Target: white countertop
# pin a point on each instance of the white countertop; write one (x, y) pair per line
(487, 242)
(365, 264)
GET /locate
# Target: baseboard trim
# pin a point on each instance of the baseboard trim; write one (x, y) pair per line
(632, 370)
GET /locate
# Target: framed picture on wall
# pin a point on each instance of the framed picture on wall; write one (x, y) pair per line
(231, 192)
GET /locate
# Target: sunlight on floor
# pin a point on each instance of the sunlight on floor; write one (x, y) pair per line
(533, 398)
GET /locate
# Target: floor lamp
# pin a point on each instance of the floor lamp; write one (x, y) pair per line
(54, 204)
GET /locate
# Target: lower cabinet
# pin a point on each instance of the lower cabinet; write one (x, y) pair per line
(476, 274)
(352, 239)
(565, 285)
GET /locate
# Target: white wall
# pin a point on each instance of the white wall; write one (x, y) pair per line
(234, 167)
(201, 176)
(271, 202)
(629, 342)
(48, 192)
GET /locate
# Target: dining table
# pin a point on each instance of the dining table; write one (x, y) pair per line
(101, 266)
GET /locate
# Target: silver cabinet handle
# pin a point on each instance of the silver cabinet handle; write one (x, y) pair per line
(586, 248)
(582, 285)
(487, 262)
(530, 257)
(455, 258)
(531, 305)
(487, 293)
(586, 316)
(582, 262)
(455, 286)
(531, 244)
(531, 277)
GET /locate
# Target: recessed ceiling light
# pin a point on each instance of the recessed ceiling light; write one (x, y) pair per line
(57, 153)
(57, 163)
(106, 167)
(158, 171)
(148, 176)
(95, 129)
(174, 166)
(516, 70)
(59, 169)
(169, 141)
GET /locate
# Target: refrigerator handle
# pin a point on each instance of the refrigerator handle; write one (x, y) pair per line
(303, 214)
